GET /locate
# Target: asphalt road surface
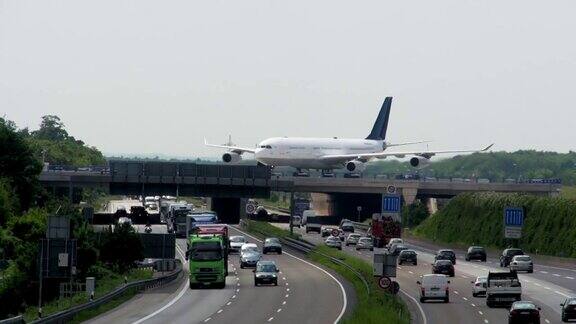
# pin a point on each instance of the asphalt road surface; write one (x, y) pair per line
(547, 287)
(305, 294)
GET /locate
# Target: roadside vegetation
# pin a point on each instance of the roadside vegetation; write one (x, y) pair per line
(549, 226)
(377, 306)
(24, 209)
(495, 166)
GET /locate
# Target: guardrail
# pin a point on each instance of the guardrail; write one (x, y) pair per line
(13, 320)
(307, 247)
(141, 285)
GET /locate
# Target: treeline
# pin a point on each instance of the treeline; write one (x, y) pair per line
(549, 225)
(24, 209)
(496, 166)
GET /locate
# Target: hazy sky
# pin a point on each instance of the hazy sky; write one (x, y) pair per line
(159, 76)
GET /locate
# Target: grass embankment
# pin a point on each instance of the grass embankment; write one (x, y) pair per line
(549, 226)
(105, 284)
(374, 307)
(568, 192)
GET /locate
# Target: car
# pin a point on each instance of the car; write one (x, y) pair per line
(476, 253)
(272, 244)
(434, 286)
(124, 220)
(365, 243)
(393, 241)
(397, 248)
(341, 235)
(347, 227)
(524, 312)
(503, 289)
(443, 267)
(408, 256)
(334, 242)
(446, 255)
(266, 272)
(508, 254)
(249, 255)
(479, 286)
(352, 239)
(522, 263)
(568, 309)
(326, 230)
(236, 243)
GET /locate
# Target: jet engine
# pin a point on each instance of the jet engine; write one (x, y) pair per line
(231, 157)
(419, 162)
(355, 166)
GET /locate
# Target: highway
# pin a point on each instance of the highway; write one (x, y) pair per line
(305, 294)
(546, 288)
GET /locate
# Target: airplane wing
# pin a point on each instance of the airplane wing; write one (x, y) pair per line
(235, 149)
(384, 154)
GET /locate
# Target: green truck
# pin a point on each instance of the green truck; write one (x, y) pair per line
(208, 259)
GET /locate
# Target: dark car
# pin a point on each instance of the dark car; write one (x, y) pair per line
(272, 244)
(507, 256)
(446, 255)
(347, 227)
(568, 309)
(266, 272)
(443, 267)
(397, 248)
(476, 253)
(408, 256)
(524, 312)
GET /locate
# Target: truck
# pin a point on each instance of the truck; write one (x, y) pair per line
(176, 220)
(503, 288)
(382, 229)
(313, 224)
(207, 259)
(196, 218)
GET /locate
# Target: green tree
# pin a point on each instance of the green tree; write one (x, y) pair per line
(51, 128)
(18, 165)
(414, 214)
(122, 247)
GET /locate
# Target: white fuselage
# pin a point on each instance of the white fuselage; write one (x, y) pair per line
(307, 153)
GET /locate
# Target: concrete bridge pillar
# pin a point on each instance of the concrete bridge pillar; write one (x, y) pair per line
(409, 195)
(432, 205)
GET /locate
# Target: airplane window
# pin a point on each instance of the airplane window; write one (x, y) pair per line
(268, 146)
(262, 146)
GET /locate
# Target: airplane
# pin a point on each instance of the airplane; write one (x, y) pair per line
(333, 153)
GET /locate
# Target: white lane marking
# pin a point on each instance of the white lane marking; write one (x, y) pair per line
(237, 290)
(486, 321)
(456, 292)
(410, 272)
(284, 303)
(206, 320)
(544, 272)
(174, 300)
(279, 310)
(287, 289)
(562, 294)
(466, 299)
(473, 305)
(219, 311)
(344, 296)
(287, 295)
(480, 312)
(546, 320)
(228, 303)
(571, 278)
(537, 284)
(234, 296)
(547, 288)
(283, 278)
(556, 275)
(270, 319)
(424, 319)
(464, 277)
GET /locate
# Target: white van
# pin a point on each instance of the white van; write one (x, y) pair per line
(306, 214)
(434, 286)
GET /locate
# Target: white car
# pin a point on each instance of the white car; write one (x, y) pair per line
(334, 242)
(236, 243)
(522, 263)
(479, 286)
(434, 286)
(296, 221)
(352, 239)
(394, 241)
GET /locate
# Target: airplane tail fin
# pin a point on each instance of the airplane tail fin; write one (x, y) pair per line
(381, 123)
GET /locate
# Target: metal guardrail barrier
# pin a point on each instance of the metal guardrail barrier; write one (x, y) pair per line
(64, 316)
(13, 320)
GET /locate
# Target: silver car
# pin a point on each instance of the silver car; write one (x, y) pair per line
(272, 244)
(249, 255)
(479, 286)
(236, 243)
(365, 243)
(352, 239)
(334, 242)
(522, 263)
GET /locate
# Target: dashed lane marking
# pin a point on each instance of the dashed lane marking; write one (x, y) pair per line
(270, 319)
(279, 310)
(480, 312)
(219, 311)
(571, 278)
(206, 320)
(228, 303)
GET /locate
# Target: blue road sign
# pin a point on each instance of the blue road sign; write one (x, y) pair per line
(391, 204)
(514, 217)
